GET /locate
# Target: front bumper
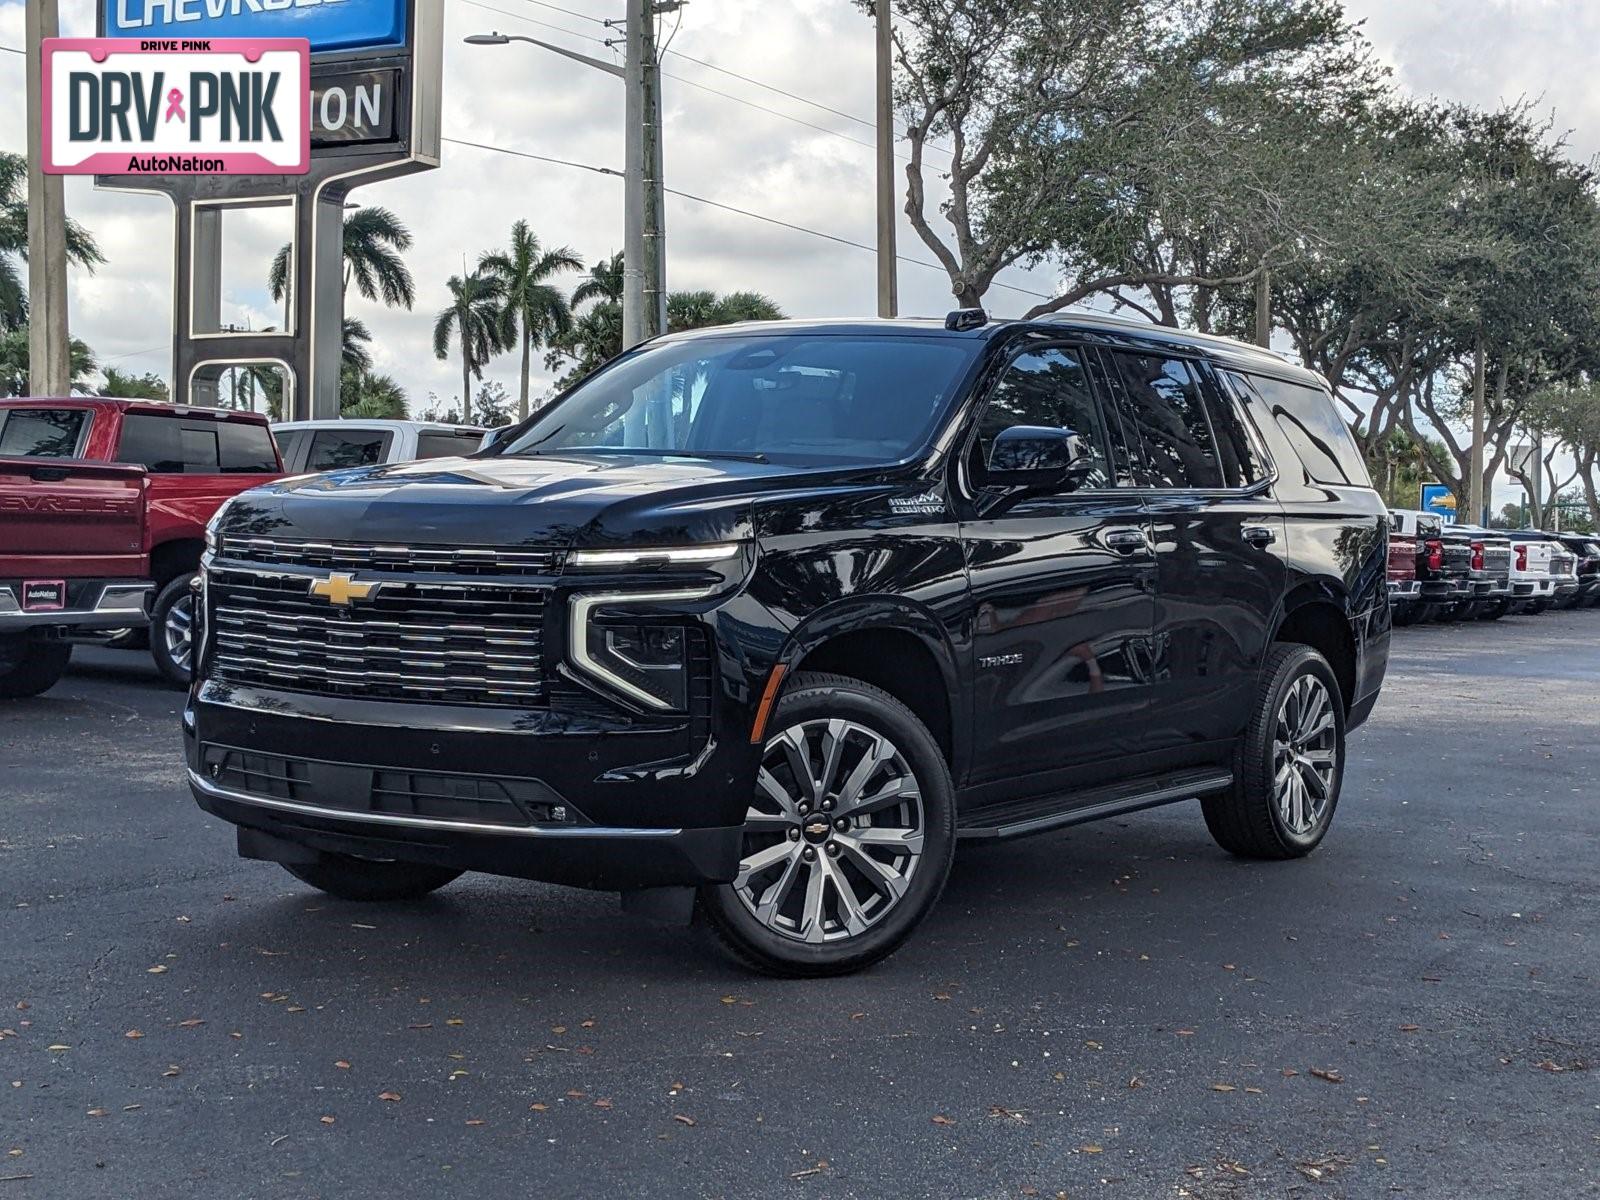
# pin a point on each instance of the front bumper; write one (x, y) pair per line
(91, 604)
(561, 797)
(607, 858)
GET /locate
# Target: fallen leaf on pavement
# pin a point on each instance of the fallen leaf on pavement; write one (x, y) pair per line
(683, 1120)
(1328, 1075)
(941, 1119)
(392, 1097)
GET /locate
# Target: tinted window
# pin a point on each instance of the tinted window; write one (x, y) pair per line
(1047, 387)
(332, 449)
(246, 449)
(1241, 462)
(798, 398)
(445, 445)
(1165, 410)
(1313, 427)
(41, 432)
(168, 445)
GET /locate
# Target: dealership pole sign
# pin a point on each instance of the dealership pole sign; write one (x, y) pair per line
(219, 104)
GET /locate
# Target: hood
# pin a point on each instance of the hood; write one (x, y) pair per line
(545, 501)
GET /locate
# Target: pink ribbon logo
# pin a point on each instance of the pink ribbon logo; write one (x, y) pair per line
(174, 106)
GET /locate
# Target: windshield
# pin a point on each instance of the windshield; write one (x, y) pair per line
(810, 399)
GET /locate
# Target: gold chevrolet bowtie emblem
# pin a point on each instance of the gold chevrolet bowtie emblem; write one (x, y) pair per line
(342, 589)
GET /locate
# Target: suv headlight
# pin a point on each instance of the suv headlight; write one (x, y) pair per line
(645, 661)
(674, 556)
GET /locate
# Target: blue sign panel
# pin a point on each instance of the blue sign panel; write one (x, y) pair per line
(327, 24)
(1437, 498)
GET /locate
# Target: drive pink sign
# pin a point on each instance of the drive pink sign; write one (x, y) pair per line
(203, 106)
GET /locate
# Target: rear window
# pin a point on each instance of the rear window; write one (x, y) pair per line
(41, 432)
(246, 449)
(439, 444)
(177, 445)
(1307, 418)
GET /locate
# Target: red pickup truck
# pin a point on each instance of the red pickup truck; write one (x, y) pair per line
(103, 510)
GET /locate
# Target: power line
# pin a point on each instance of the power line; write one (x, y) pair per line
(706, 88)
(743, 212)
(12, 50)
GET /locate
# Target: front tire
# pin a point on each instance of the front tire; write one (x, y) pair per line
(172, 631)
(1289, 765)
(848, 839)
(29, 665)
(367, 880)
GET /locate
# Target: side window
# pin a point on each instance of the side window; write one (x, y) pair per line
(1312, 426)
(168, 445)
(290, 442)
(1164, 408)
(1242, 464)
(246, 449)
(1047, 387)
(332, 449)
(41, 432)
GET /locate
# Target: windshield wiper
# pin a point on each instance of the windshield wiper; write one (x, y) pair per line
(660, 452)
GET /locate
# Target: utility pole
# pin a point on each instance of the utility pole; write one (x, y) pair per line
(49, 354)
(644, 293)
(1475, 484)
(888, 289)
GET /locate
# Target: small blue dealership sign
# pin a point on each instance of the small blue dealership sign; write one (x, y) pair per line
(1440, 500)
(326, 24)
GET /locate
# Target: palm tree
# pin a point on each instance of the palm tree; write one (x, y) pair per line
(353, 352)
(596, 333)
(474, 318)
(534, 310)
(81, 247)
(371, 396)
(373, 240)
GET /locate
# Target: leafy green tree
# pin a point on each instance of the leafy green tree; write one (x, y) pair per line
(81, 247)
(371, 395)
(473, 320)
(128, 386)
(491, 407)
(14, 363)
(535, 311)
(374, 242)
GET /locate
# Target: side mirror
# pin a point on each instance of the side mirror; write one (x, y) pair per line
(1037, 459)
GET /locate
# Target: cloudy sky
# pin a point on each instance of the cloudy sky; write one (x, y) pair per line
(721, 145)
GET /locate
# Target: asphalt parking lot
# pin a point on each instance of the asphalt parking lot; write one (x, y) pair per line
(1116, 1010)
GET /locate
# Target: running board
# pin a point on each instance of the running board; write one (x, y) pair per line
(1018, 818)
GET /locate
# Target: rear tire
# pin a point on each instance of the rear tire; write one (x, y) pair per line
(1495, 611)
(366, 880)
(848, 839)
(1538, 606)
(172, 631)
(29, 665)
(1406, 614)
(1289, 765)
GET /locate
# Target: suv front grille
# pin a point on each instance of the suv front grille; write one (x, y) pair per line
(445, 641)
(352, 556)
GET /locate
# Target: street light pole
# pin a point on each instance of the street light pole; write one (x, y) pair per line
(49, 354)
(644, 290)
(888, 289)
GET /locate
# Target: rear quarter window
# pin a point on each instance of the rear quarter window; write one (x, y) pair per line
(1308, 420)
(41, 432)
(246, 449)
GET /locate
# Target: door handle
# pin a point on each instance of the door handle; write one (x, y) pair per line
(1126, 541)
(48, 474)
(1259, 535)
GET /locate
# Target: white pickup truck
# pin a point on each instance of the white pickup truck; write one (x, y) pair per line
(329, 445)
(1533, 582)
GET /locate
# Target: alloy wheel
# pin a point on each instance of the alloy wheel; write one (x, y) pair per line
(178, 631)
(833, 834)
(1304, 755)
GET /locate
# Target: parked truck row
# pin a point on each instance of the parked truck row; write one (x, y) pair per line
(1450, 572)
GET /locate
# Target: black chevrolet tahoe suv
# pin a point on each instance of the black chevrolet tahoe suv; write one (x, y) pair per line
(761, 621)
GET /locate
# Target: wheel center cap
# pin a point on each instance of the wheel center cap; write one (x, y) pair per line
(816, 830)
